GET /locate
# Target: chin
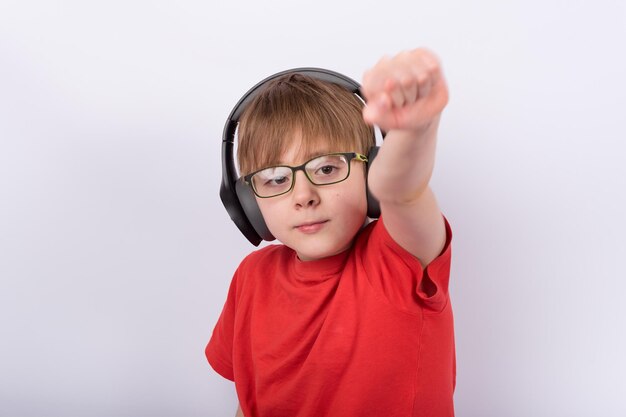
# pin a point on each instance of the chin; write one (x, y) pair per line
(320, 252)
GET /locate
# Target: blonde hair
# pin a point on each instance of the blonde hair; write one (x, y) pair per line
(327, 117)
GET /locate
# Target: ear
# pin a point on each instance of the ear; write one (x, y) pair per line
(250, 207)
(373, 207)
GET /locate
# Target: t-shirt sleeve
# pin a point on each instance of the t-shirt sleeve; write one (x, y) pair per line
(399, 275)
(219, 350)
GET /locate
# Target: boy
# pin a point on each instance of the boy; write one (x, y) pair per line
(345, 318)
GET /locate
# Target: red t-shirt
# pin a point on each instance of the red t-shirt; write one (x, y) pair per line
(366, 332)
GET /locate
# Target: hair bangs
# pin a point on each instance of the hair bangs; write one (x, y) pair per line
(317, 116)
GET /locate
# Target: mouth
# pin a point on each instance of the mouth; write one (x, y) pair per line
(311, 227)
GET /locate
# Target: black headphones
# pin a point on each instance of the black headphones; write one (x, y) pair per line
(237, 196)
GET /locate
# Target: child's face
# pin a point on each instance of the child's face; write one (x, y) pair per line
(317, 221)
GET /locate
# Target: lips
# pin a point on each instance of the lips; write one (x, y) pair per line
(311, 227)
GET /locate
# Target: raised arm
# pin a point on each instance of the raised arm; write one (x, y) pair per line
(406, 95)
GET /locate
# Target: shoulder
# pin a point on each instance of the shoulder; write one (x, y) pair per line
(366, 231)
(267, 254)
(375, 239)
(399, 275)
(262, 261)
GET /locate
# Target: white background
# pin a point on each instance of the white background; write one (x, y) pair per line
(116, 254)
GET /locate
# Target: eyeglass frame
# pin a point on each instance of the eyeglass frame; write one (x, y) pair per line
(348, 155)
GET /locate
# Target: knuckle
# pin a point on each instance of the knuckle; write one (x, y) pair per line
(432, 66)
(384, 60)
(406, 80)
(422, 78)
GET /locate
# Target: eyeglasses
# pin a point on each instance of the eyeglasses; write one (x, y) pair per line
(321, 170)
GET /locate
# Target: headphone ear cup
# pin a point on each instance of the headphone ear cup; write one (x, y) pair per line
(250, 207)
(373, 206)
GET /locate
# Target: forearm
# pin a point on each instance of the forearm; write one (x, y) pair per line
(403, 167)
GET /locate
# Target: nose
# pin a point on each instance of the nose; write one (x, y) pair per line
(304, 192)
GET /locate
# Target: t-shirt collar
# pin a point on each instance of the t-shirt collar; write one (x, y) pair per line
(320, 269)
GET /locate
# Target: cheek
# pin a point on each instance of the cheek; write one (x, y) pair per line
(361, 203)
(358, 194)
(352, 203)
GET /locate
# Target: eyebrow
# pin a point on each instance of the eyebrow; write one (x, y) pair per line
(308, 156)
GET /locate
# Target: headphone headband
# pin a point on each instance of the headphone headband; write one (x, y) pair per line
(317, 73)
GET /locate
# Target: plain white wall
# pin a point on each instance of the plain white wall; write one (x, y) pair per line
(116, 254)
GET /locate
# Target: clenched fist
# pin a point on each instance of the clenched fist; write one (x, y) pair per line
(405, 92)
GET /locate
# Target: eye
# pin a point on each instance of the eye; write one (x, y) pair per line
(326, 170)
(276, 181)
(272, 178)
